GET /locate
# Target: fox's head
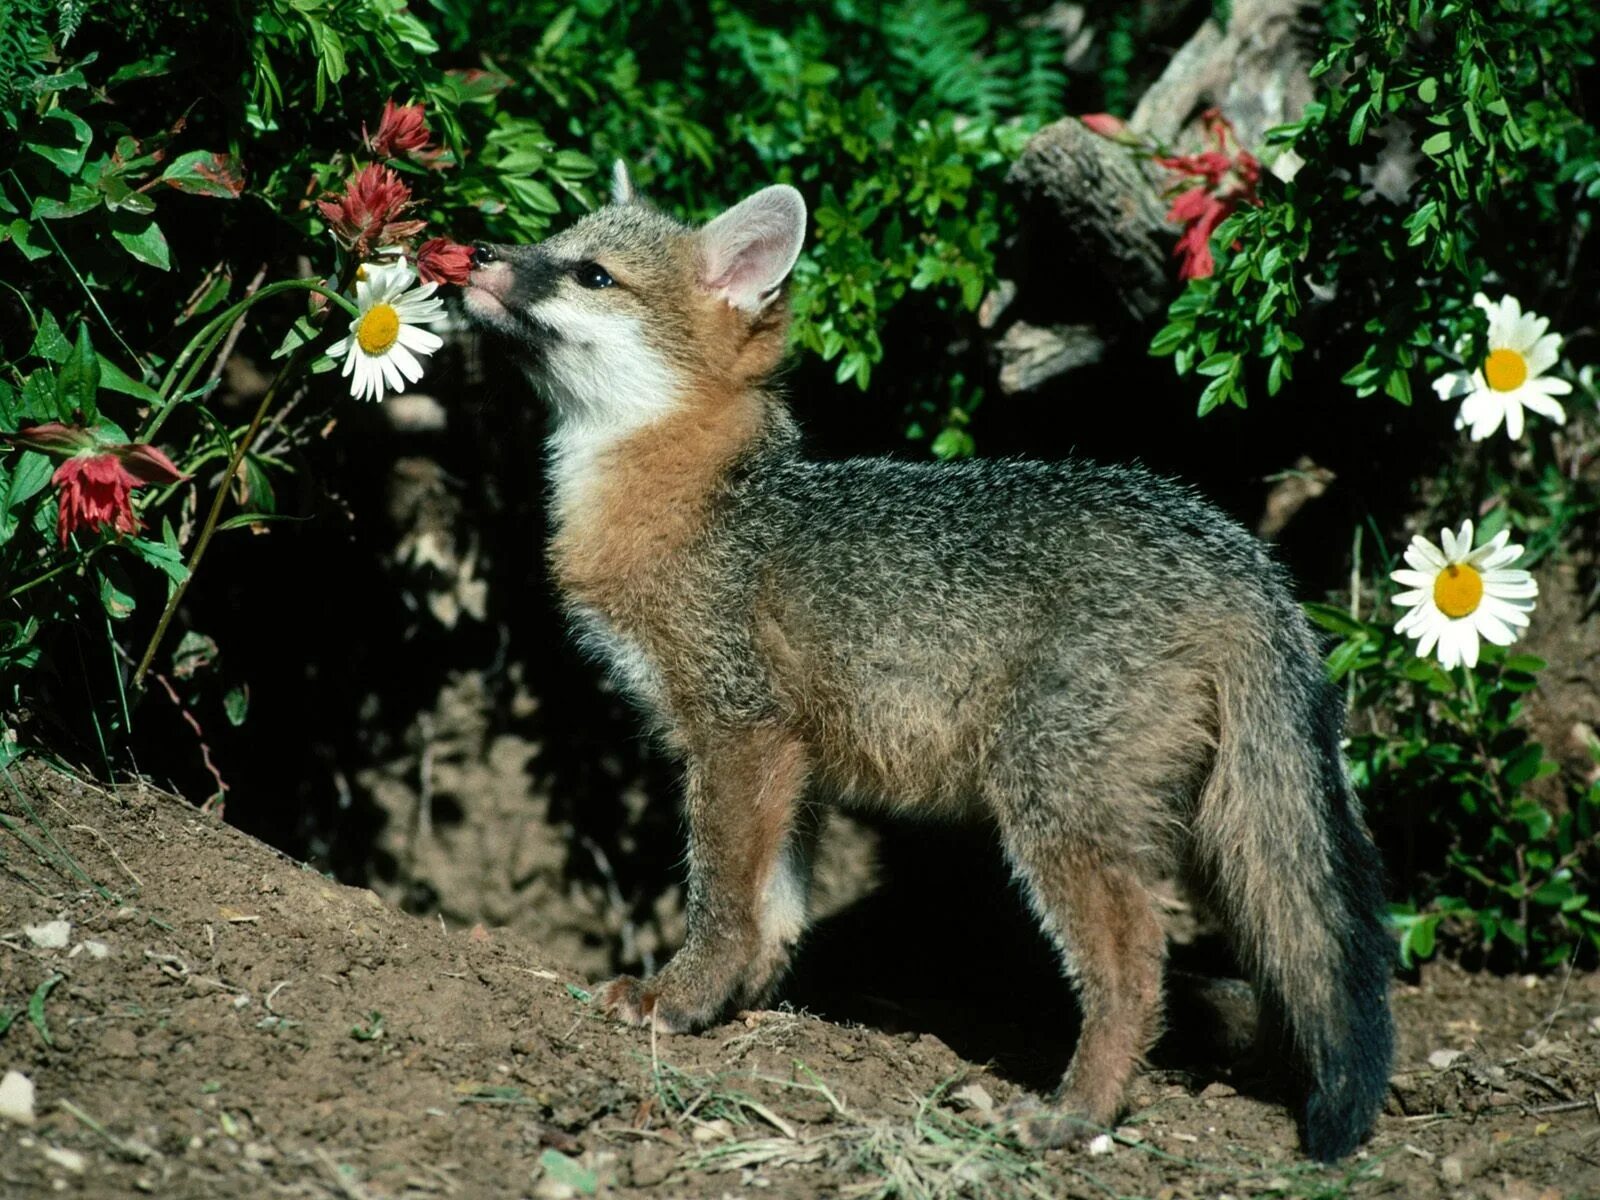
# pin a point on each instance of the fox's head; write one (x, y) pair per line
(629, 312)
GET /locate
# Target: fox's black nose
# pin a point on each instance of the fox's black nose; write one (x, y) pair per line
(483, 254)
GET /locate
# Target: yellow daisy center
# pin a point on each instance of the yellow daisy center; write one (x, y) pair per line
(1505, 370)
(378, 328)
(1457, 590)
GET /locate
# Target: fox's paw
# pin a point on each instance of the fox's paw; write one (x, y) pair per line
(639, 1002)
(1036, 1124)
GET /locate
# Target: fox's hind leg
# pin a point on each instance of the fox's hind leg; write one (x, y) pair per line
(748, 871)
(1102, 917)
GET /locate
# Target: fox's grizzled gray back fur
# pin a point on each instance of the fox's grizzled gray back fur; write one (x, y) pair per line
(1092, 658)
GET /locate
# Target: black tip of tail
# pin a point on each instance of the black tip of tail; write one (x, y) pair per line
(1349, 1077)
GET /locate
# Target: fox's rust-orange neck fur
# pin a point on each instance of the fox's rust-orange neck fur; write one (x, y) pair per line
(648, 497)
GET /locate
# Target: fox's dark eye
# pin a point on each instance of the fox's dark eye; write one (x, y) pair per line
(592, 275)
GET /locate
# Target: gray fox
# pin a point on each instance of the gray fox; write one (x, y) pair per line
(1092, 659)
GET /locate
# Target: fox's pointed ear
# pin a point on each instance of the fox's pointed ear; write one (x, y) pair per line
(749, 250)
(621, 184)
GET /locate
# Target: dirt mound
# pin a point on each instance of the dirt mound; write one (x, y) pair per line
(201, 1016)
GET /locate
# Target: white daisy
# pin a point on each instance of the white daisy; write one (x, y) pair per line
(1511, 377)
(381, 351)
(1459, 593)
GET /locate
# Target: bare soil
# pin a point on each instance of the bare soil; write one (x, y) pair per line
(222, 1021)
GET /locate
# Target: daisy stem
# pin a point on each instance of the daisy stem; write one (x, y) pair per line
(211, 335)
(75, 561)
(290, 368)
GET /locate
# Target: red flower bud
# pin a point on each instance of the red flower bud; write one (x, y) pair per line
(1227, 181)
(402, 130)
(365, 215)
(96, 489)
(440, 260)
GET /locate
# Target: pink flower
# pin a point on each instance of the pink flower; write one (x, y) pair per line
(366, 214)
(96, 481)
(1104, 124)
(402, 130)
(1226, 181)
(440, 260)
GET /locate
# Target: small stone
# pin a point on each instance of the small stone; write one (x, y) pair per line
(51, 935)
(16, 1098)
(95, 949)
(713, 1131)
(1217, 1091)
(975, 1097)
(1452, 1170)
(1441, 1060)
(70, 1160)
(1101, 1144)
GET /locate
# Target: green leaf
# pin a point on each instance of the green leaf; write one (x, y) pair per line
(953, 443)
(20, 233)
(569, 1173)
(165, 558)
(193, 654)
(205, 173)
(1523, 764)
(236, 704)
(1528, 664)
(39, 396)
(1437, 144)
(49, 342)
(36, 1007)
(79, 379)
(144, 68)
(29, 477)
(1334, 619)
(61, 137)
(141, 237)
(114, 379)
(116, 596)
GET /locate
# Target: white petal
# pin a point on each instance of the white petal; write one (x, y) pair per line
(1513, 417)
(1487, 421)
(421, 340)
(1491, 629)
(1544, 353)
(1467, 642)
(1479, 558)
(1548, 385)
(1416, 579)
(391, 373)
(1525, 588)
(1423, 554)
(1456, 383)
(1409, 599)
(1544, 405)
(369, 382)
(406, 362)
(1507, 614)
(1429, 636)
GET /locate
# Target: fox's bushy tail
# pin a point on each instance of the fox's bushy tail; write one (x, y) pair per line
(1279, 834)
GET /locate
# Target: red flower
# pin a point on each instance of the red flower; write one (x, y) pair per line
(440, 260)
(402, 130)
(365, 216)
(1227, 181)
(96, 489)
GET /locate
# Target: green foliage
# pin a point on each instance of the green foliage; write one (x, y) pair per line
(144, 225)
(1471, 112)
(1501, 850)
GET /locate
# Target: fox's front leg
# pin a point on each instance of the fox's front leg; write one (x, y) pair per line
(747, 877)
